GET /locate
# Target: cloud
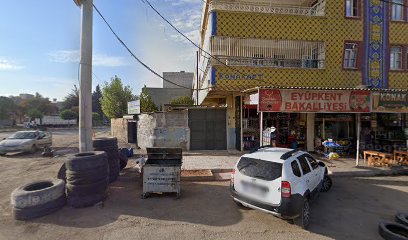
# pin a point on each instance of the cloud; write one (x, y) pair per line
(6, 64)
(72, 56)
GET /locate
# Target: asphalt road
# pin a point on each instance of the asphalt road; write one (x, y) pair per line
(351, 210)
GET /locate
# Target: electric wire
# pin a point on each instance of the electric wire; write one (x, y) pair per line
(135, 57)
(192, 42)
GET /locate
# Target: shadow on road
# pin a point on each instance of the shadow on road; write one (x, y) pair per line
(199, 203)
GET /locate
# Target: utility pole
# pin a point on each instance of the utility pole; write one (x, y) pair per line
(197, 80)
(85, 76)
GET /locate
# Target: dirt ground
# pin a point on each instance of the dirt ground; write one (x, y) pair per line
(351, 210)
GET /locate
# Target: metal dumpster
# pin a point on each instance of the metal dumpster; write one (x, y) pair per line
(162, 170)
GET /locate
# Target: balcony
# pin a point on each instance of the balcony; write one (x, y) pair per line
(300, 8)
(270, 53)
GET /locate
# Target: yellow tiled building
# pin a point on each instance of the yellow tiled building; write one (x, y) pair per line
(299, 43)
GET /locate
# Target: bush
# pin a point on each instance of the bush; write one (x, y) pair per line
(68, 115)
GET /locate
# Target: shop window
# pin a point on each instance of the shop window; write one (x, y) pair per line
(304, 165)
(296, 169)
(350, 56)
(396, 58)
(352, 8)
(397, 10)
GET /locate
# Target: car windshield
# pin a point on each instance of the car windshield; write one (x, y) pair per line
(257, 168)
(23, 135)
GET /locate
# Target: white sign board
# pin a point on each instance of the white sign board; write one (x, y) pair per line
(134, 107)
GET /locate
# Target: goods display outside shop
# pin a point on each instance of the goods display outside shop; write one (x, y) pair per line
(380, 118)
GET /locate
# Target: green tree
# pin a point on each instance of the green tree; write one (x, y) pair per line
(185, 100)
(7, 108)
(96, 118)
(34, 113)
(96, 103)
(146, 102)
(72, 99)
(37, 106)
(115, 98)
(68, 114)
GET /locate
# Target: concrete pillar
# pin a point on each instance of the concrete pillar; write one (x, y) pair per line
(85, 78)
(310, 131)
(231, 137)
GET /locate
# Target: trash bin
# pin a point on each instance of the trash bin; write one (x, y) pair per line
(162, 170)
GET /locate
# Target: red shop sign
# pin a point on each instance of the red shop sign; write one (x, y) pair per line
(276, 100)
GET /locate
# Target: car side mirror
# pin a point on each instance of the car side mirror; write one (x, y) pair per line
(321, 164)
(4, 138)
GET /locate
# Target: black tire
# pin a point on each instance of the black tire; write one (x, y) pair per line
(101, 143)
(303, 220)
(39, 210)
(37, 193)
(402, 218)
(92, 173)
(327, 184)
(87, 201)
(86, 161)
(86, 180)
(393, 231)
(123, 159)
(86, 190)
(62, 173)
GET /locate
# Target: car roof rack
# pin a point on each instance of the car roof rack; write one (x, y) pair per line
(256, 149)
(289, 154)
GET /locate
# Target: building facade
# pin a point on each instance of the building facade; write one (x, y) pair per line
(169, 91)
(312, 45)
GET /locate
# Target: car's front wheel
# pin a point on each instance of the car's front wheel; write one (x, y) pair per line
(304, 219)
(33, 149)
(327, 183)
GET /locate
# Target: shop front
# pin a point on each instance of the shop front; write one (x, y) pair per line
(385, 129)
(304, 118)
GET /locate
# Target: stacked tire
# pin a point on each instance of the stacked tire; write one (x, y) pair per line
(110, 146)
(38, 199)
(87, 179)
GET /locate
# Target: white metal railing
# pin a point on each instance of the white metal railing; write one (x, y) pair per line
(317, 10)
(268, 52)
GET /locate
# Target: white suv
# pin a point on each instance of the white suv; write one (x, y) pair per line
(279, 181)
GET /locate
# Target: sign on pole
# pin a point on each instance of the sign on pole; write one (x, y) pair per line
(134, 107)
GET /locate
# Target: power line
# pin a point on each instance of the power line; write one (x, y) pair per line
(135, 57)
(191, 41)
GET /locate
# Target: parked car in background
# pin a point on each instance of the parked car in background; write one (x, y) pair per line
(279, 181)
(25, 141)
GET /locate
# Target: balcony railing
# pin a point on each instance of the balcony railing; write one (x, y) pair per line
(316, 10)
(268, 52)
(271, 62)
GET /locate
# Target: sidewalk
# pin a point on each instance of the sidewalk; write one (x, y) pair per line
(220, 164)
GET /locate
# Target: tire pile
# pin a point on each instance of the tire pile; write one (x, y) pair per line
(110, 146)
(397, 230)
(38, 199)
(87, 179)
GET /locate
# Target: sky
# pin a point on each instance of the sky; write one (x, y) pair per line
(39, 43)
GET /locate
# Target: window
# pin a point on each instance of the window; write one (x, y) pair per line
(304, 165)
(312, 161)
(397, 10)
(295, 168)
(257, 168)
(352, 8)
(396, 58)
(350, 56)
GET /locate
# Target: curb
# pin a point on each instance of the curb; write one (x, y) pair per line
(222, 175)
